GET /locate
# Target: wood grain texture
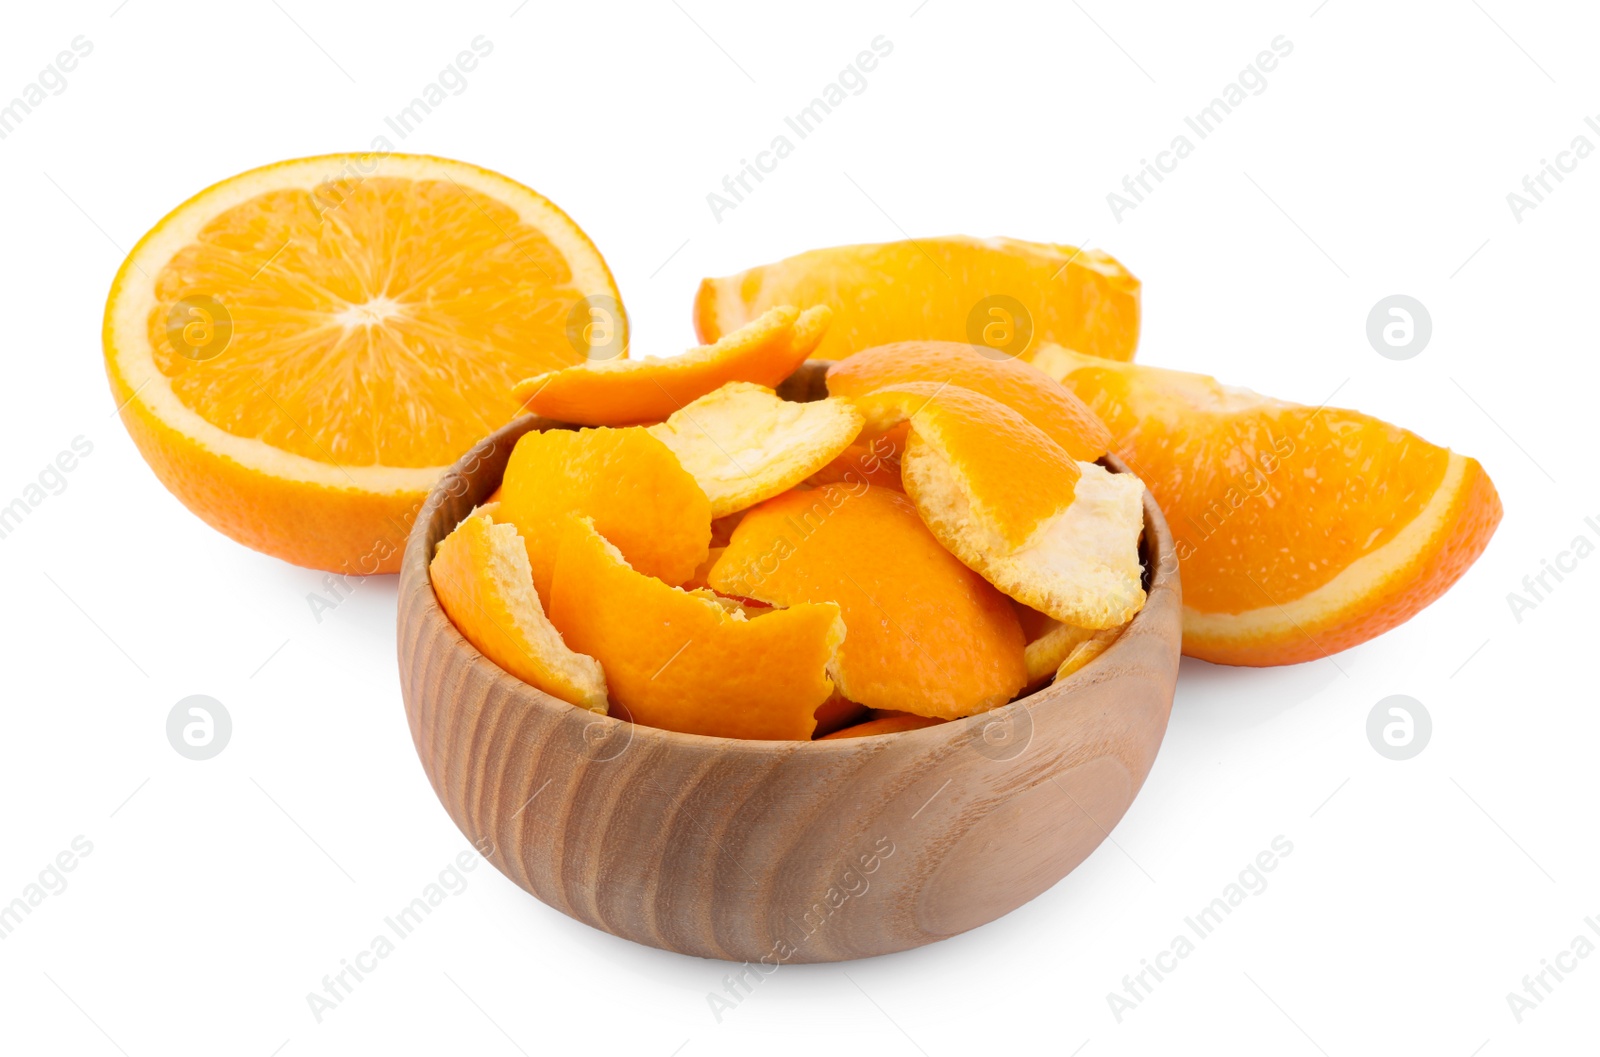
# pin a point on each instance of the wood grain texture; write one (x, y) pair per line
(772, 852)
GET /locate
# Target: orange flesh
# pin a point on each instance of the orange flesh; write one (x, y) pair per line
(1266, 502)
(386, 329)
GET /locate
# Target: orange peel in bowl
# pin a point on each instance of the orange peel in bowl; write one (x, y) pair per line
(1081, 566)
(689, 661)
(633, 392)
(1014, 478)
(743, 444)
(926, 634)
(638, 494)
(481, 576)
(1037, 397)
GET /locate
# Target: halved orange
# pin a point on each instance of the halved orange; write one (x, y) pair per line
(925, 633)
(481, 577)
(633, 392)
(1024, 388)
(628, 482)
(1300, 531)
(1005, 294)
(299, 351)
(689, 661)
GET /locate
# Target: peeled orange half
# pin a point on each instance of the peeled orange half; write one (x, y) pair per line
(1005, 294)
(300, 350)
(1300, 531)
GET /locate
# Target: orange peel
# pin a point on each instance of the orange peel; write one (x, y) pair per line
(632, 392)
(1036, 396)
(1010, 294)
(689, 661)
(743, 444)
(481, 576)
(627, 481)
(926, 634)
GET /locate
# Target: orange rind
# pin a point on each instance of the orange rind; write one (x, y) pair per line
(743, 444)
(765, 351)
(1299, 531)
(689, 661)
(481, 577)
(627, 481)
(1034, 395)
(926, 634)
(1080, 566)
(1014, 478)
(1006, 294)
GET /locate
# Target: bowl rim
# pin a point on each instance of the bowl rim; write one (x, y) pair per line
(1161, 573)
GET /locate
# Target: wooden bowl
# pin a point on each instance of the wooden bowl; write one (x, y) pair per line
(776, 851)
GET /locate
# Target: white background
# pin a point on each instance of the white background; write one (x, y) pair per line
(1377, 161)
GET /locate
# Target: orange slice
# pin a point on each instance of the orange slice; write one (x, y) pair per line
(481, 576)
(627, 481)
(1299, 531)
(1037, 397)
(926, 634)
(1005, 294)
(299, 351)
(631, 392)
(689, 661)
(743, 444)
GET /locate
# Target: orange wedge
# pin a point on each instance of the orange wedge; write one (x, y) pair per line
(299, 351)
(633, 392)
(1300, 531)
(925, 633)
(1005, 294)
(743, 444)
(481, 576)
(1037, 397)
(689, 661)
(627, 481)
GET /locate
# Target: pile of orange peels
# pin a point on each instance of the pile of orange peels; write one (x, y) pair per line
(710, 558)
